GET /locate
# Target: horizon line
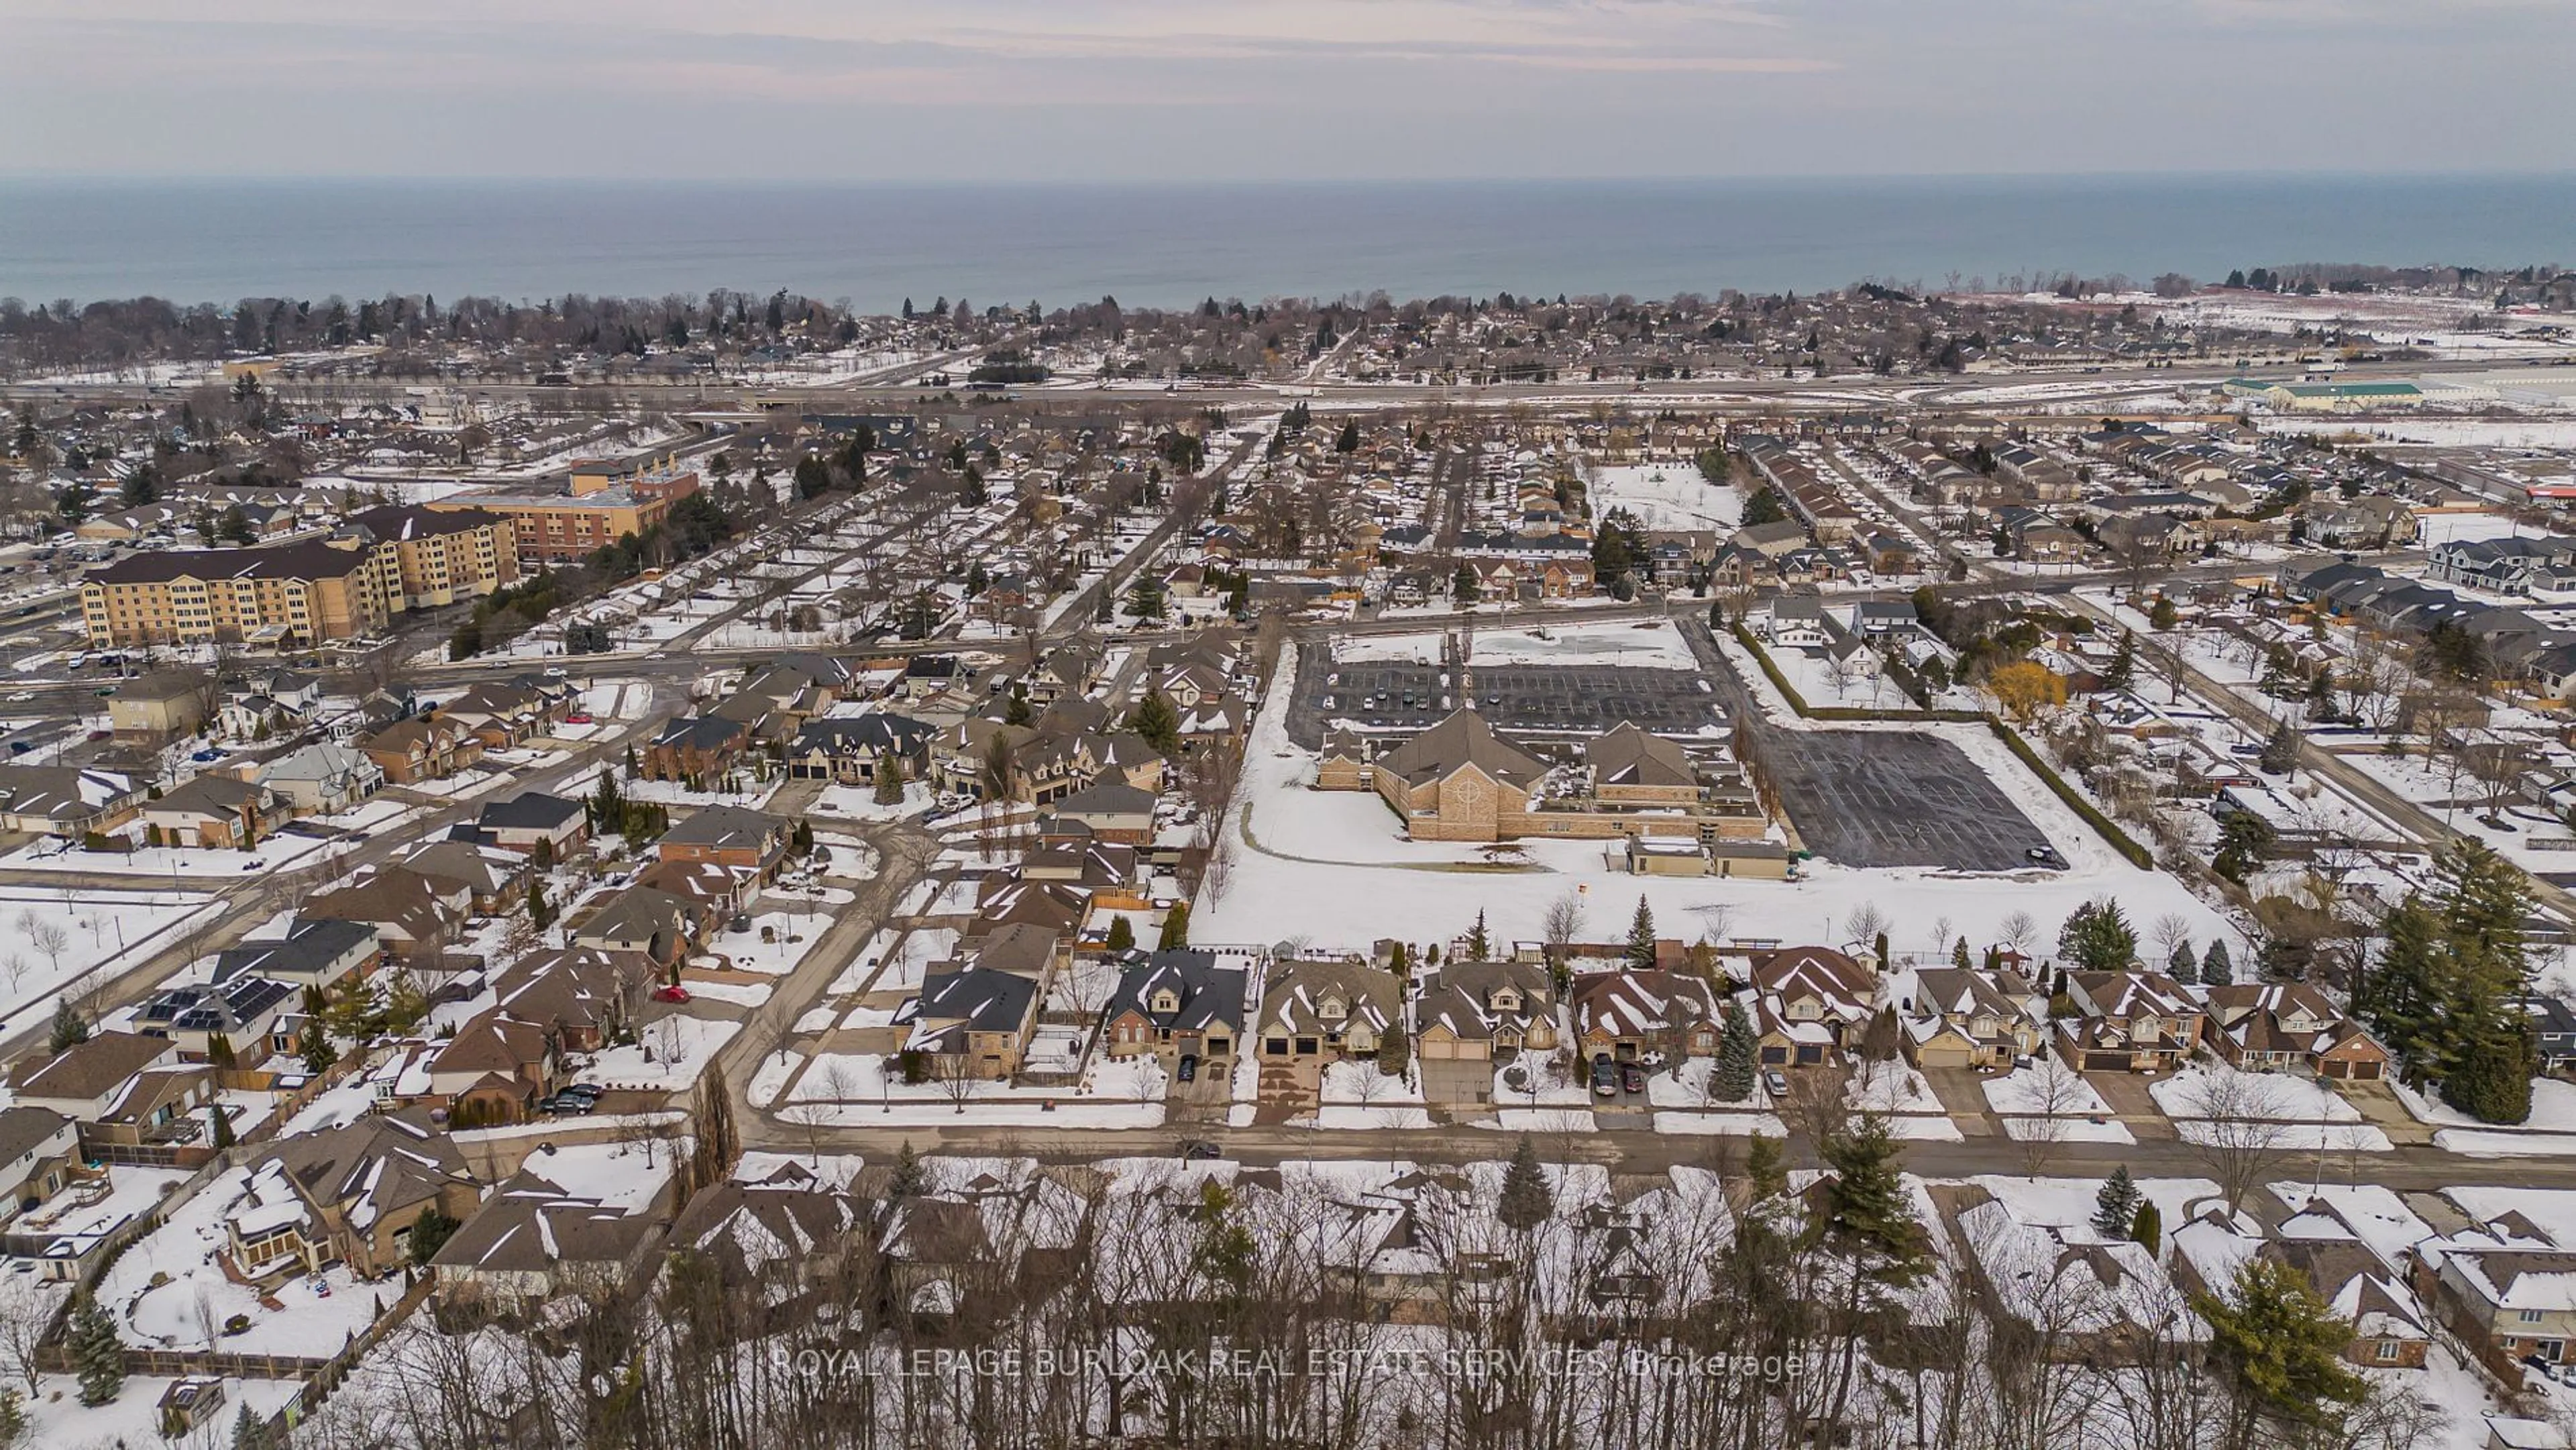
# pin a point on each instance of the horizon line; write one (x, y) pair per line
(210, 179)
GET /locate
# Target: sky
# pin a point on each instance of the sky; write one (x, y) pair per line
(1127, 90)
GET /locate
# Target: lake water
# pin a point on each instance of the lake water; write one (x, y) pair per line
(876, 245)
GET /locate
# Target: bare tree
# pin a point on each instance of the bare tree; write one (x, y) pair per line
(957, 1078)
(1866, 923)
(46, 936)
(1562, 922)
(2017, 930)
(25, 1312)
(2172, 932)
(2234, 1121)
(2051, 1092)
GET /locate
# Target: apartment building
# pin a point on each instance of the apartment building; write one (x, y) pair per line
(342, 588)
(600, 504)
(442, 556)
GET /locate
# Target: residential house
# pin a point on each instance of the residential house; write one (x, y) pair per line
(2269, 1026)
(748, 840)
(2082, 1296)
(697, 748)
(348, 1194)
(82, 1080)
(1315, 1012)
(1113, 810)
(66, 801)
(586, 998)
(974, 1021)
(1959, 1017)
(1184, 1007)
(848, 749)
(416, 916)
(1472, 1018)
(322, 778)
(1652, 1017)
(2128, 1022)
(312, 953)
(495, 1068)
(212, 811)
(531, 818)
(39, 1157)
(531, 1243)
(211, 1022)
(423, 747)
(497, 880)
(640, 919)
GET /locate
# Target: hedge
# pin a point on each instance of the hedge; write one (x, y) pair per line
(2102, 825)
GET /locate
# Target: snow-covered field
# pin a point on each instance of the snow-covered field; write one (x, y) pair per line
(167, 1289)
(1651, 645)
(1666, 496)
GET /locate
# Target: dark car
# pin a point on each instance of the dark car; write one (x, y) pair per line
(1605, 1079)
(1189, 1067)
(1199, 1150)
(1632, 1078)
(567, 1103)
(590, 1092)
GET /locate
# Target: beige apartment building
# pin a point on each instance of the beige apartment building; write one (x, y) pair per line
(346, 587)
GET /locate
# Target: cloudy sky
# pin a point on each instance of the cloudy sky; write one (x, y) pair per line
(1189, 89)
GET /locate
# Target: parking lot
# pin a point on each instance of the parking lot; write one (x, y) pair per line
(1872, 799)
(1533, 699)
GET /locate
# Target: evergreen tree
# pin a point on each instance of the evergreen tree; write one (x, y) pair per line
(70, 1028)
(2097, 937)
(219, 1130)
(430, 1231)
(1730, 1079)
(1478, 947)
(98, 1360)
(2280, 751)
(2147, 1227)
(1158, 721)
(248, 1432)
(2116, 1206)
(314, 1046)
(2123, 671)
(2183, 967)
(889, 778)
(1393, 1052)
(1349, 442)
(1641, 937)
(2278, 1351)
(541, 912)
(1959, 955)
(1526, 1200)
(1176, 928)
(909, 1180)
(1122, 935)
(1015, 709)
(2216, 970)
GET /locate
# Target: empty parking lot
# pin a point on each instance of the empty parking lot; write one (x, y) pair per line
(1534, 699)
(1873, 799)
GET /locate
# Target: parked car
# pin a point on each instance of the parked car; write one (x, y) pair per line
(1632, 1078)
(1199, 1150)
(1189, 1067)
(673, 992)
(587, 1091)
(1777, 1082)
(562, 1103)
(1605, 1079)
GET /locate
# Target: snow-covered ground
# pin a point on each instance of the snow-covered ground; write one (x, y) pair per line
(2206, 1090)
(166, 1290)
(1666, 496)
(669, 1056)
(1651, 645)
